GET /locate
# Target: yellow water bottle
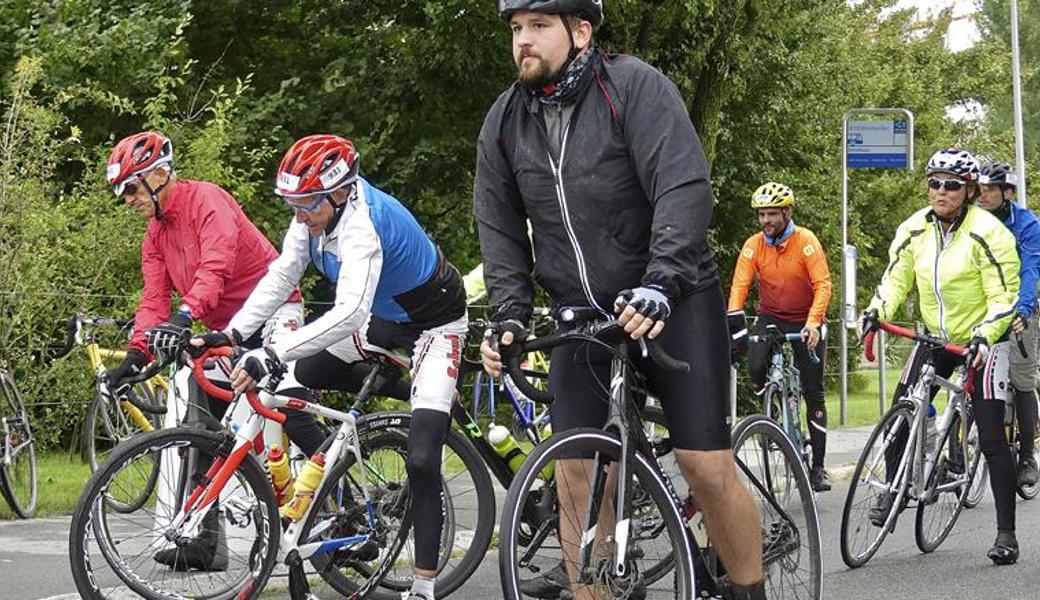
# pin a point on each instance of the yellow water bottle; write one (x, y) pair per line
(281, 477)
(505, 446)
(306, 483)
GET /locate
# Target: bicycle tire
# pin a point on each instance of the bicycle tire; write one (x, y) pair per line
(469, 489)
(979, 476)
(93, 549)
(18, 482)
(1030, 491)
(930, 529)
(106, 426)
(344, 515)
(783, 561)
(900, 415)
(582, 442)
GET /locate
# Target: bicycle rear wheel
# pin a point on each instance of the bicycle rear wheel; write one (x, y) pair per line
(860, 537)
(114, 553)
(529, 539)
(947, 488)
(18, 458)
(108, 423)
(771, 468)
(469, 504)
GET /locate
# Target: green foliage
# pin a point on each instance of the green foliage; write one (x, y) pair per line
(234, 82)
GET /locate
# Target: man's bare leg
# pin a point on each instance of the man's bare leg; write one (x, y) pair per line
(730, 514)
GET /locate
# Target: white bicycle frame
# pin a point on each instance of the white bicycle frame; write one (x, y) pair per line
(253, 435)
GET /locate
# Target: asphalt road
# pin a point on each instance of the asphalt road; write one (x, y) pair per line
(34, 555)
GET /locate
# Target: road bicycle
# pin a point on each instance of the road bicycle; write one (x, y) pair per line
(18, 461)
(645, 539)
(887, 478)
(372, 566)
(782, 393)
(113, 418)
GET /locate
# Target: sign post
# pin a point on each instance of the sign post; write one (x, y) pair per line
(866, 143)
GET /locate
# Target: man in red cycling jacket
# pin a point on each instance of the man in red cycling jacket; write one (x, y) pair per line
(200, 245)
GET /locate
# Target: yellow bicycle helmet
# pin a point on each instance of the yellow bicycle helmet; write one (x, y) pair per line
(772, 195)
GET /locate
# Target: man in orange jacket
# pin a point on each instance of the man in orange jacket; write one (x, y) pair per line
(794, 287)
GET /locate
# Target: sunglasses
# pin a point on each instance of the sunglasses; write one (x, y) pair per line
(128, 187)
(950, 185)
(306, 207)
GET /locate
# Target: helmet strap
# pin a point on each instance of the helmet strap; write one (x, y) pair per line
(154, 194)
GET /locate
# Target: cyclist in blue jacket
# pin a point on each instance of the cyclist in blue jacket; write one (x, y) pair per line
(998, 182)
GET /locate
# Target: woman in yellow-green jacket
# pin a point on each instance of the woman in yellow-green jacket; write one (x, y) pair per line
(962, 262)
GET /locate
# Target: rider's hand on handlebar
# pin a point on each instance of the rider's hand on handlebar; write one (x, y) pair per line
(978, 349)
(868, 322)
(133, 363)
(253, 367)
(499, 334)
(642, 311)
(165, 339)
(216, 339)
(811, 336)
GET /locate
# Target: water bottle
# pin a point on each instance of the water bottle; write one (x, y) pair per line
(281, 477)
(505, 446)
(930, 433)
(306, 483)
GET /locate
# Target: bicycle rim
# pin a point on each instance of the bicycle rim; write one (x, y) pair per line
(860, 538)
(1028, 492)
(18, 471)
(791, 555)
(980, 472)
(108, 425)
(111, 551)
(656, 531)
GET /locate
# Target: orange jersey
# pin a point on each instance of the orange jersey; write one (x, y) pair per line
(793, 279)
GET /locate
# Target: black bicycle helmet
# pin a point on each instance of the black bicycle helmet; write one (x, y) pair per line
(998, 174)
(590, 10)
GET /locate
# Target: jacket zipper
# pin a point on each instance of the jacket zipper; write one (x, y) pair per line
(935, 282)
(561, 197)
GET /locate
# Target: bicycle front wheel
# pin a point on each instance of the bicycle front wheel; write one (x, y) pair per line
(18, 461)
(231, 553)
(980, 475)
(947, 487)
(1029, 491)
(530, 542)
(109, 423)
(771, 468)
(870, 507)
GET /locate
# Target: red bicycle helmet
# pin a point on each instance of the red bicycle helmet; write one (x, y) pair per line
(135, 154)
(317, 164)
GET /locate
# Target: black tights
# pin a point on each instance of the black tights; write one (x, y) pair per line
(426, 437)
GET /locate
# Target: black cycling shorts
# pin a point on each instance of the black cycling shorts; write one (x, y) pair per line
(696, 404)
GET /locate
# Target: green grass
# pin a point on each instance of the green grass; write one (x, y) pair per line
(863, 403)
(60, 479)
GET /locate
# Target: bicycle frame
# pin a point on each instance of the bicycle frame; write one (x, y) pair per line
(253, 419)
(786, 376)
(98, 356)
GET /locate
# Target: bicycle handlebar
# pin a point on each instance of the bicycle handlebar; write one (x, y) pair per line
(197, 368)
(605, 331)
(75, 324)
(790, 337)
(128, 382)
(931, 340)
